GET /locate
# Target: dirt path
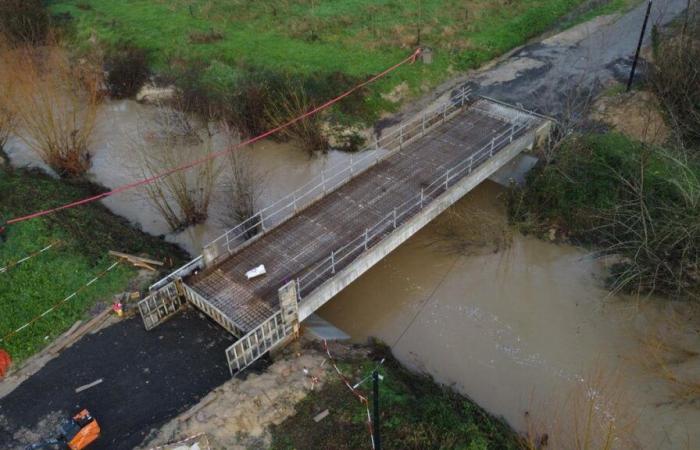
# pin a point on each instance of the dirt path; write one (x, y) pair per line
(238, 414)
(149, 377)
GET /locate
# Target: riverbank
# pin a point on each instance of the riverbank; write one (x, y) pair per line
(211, 50)
(300, 402)
(81, 239)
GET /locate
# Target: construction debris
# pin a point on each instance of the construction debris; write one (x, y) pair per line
(137, 261)
(88, 386)
(319, 417)
(256, 272)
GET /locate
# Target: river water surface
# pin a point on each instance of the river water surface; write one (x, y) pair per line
(520, 330)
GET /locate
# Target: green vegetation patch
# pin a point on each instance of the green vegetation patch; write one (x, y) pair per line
(355, 37)
(626, 198)
(416, 413)
(85, 234)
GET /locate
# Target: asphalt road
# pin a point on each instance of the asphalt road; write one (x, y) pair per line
(541, 76)
(149, 378)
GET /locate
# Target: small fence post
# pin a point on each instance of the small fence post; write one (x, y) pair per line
(421, 197)
(492, 144)
(262, 222)
(423, 132)
(351, 165)
(471, 162)
(447, 178)
(323, 181)
(366, 234)
(294, 200)
(444, 112)
(401, 136)
(394, 218)
(333, 262)
(464, 93)
(376, 142)
(512, 132)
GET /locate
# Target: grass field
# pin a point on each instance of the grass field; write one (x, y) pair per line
(86, 235)
(355, 37)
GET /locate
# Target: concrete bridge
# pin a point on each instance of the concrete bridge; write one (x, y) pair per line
(319, 239)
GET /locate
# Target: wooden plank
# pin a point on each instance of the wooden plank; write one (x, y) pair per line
(88, 386)
(134, 259)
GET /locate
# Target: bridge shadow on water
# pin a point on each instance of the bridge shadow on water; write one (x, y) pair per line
(149, 378)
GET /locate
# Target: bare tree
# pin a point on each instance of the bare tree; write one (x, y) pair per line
(54, 100)
(168, 141)
(308, 132)
(243, 186)
(7, 120)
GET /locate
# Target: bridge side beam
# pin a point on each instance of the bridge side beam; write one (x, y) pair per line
(366, 261)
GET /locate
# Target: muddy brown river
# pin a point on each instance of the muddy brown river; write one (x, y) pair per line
(527, 330)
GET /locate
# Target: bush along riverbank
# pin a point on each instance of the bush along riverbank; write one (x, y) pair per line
(627, 195)
(638, 202)
(208, 48)
(81, 239)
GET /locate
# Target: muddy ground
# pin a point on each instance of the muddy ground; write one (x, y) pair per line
(149, 378)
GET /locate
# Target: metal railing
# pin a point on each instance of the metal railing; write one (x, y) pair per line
(160, 305)
(336, 176)
(343, 256)
(322, 184)
(212, 311)
(257, 342)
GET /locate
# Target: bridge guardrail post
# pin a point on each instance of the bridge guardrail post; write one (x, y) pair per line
(492, 144)
(394, 218)
(421, 198)
(447, 178)
(444, 112)
(401, 137)
(333, 262)
(366, 234)
(423, 131)
(287, 296)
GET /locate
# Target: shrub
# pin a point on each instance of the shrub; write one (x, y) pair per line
(24, 21)
(127, 70)
(639, 202)
(675, 77)
(55, 103)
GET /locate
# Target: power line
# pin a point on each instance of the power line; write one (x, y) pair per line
(425, 303)
(410, 59)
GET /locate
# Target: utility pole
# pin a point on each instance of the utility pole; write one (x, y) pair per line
(639, 47)
(375, 419)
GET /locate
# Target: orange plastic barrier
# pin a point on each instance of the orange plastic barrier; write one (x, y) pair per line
(5, 362)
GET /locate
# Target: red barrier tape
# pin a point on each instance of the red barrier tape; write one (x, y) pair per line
(411, 59)
(354, 391)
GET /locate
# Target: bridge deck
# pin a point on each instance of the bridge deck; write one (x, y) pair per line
(289, 250)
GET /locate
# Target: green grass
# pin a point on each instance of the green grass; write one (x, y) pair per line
(356, 37)
(416, 413)
(86, 233)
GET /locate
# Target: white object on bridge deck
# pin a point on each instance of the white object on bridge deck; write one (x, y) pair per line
(322, 329)
(252, 273)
